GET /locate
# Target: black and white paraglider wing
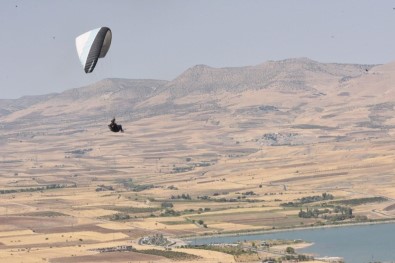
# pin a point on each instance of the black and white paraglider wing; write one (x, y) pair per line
(93, 45)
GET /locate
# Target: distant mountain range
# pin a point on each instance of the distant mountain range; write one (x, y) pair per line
(297, 91)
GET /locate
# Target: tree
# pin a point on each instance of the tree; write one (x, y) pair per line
(290, 250)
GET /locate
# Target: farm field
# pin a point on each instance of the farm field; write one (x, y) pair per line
(231, 195)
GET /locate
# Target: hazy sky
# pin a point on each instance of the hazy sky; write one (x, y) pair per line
(160, 39)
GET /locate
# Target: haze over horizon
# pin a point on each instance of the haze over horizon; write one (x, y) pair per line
(160, 40)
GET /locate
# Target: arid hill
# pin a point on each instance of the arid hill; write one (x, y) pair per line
(199, 87)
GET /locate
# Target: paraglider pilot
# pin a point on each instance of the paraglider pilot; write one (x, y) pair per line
(114, 127)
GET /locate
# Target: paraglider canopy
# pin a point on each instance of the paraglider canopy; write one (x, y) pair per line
(93, 45)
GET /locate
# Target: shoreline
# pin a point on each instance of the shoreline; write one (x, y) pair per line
(188, 239)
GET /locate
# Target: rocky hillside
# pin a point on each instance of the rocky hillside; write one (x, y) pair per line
(288, 76)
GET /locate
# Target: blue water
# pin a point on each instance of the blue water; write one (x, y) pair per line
(356, 244)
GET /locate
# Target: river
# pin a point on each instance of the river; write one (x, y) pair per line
(356, 244)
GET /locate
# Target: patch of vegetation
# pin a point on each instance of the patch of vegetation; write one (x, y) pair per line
(310, 213)
(80, 151)
(236, 250)
(223, 193)
(298, 258)
(280, 242)
(183, 196)
(309, 199)
(182, 169)
(129, 185)
(279, 138)
(360, 201)
(130, 209)
(119, 216)
(230, 200)
(44, 214)
(139, 188)
(386, 106)
(173, 223)
(291, 253)
(37, 189)
(173, 255)
(290, 250)
(338, 213)
(103, 187)
(190, 166)
(249, 193)
(332, 212)
(268, 108)
(170, 212)
(156, 240)
(316, 198)
(360, 218)
(202, 164)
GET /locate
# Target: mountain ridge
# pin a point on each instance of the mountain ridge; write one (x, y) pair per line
(196, 86)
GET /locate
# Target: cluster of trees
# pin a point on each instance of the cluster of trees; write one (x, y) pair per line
(316, 198)
(309, 213)
(182, 169)
(343, 213)
(170, 212)
(190, 166)
(199, 211)
(183, 196)
(157, 240)
(338, 213)
(80, 151)
(309, 199)
(128, 184)
(169, 206)
(141, 187)
(298, 258)
(120, 216)
(331, 211)
(249, 193)
(104, 188)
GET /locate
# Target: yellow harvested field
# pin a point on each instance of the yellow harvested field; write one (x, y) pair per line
(16, 233)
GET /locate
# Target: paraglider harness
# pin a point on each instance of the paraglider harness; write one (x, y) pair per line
(115, 127)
